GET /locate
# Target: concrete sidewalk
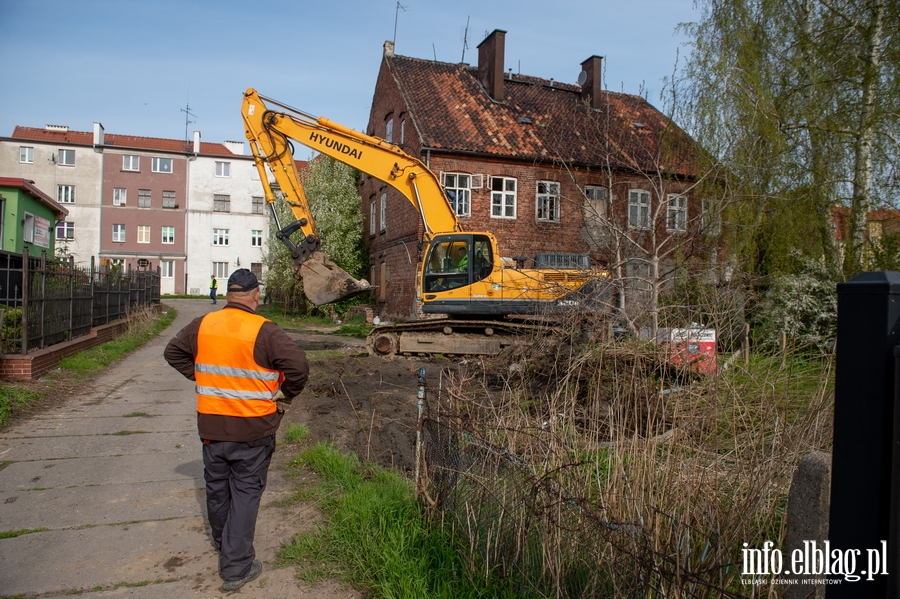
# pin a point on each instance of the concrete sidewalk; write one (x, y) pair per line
(115, 475)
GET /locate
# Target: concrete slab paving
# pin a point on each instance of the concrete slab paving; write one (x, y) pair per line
(99, 505)
(128, 441)
(79, 472)
(125, 514)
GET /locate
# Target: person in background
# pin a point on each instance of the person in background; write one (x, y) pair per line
(462, 255)
(246, 370)
(213, 288)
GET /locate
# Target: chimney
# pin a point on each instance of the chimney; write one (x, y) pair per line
(98, 137)
(589, 79)
(235, 147)
(490, 63)
(196, 142)
(388, 49)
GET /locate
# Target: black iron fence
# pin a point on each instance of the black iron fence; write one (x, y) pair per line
(45, 301)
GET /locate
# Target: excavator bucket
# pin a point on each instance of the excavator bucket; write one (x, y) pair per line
(324, 282)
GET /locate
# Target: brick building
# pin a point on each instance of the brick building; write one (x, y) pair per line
(547, 167)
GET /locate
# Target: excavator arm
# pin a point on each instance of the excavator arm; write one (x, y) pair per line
(270, 133)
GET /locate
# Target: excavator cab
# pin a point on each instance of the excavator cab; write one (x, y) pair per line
(457, 260)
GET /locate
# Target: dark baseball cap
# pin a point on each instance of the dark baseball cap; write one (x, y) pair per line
(242, 280)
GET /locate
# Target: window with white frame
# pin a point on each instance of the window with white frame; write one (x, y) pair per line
(638, 209)
(65, 194)
(66, 158)
(145, 198)
(547, 206)
(373, 224)
(503, 197)
(221, 203)
(676, 212)
(26, 155)
(169, 199)
(384, 211)
(220, 270)
(256, 238)
(223, 169)
(118, 232)
(131, 162)
(65, 230)
(458, 187)
(220, 237)
(402, 131)
(28, 227)
(638, 274)
(120, 196)
(389, 130)
(161, 165)
(143, 234)
(167, 269)
(598, 200)
(257, 203)
(168, 235)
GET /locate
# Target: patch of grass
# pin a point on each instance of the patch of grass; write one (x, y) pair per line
(295, 433)
(324, 354)
(39, 489)
(123, 433)
(5, 464)
(136, 415)
(13, 397)
(292, 321)
(377, 536)
(11, 534)
(355, 327)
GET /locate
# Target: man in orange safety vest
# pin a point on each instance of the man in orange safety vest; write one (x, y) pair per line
(246, 370)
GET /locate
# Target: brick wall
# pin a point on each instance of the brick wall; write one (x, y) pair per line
(39, 362)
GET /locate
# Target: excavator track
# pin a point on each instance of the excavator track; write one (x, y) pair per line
(458, 338)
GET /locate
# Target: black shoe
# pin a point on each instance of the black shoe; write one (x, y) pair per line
(253, 574)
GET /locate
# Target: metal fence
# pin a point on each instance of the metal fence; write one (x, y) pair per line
(45, 301)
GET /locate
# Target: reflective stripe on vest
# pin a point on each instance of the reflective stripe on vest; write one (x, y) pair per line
(228, 380)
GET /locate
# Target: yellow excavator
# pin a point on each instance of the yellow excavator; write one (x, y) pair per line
(461, 274)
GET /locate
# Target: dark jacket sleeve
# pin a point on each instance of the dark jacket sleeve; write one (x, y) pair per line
(182, 348)
(277, 351)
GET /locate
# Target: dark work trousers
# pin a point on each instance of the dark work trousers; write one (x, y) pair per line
(235, 476)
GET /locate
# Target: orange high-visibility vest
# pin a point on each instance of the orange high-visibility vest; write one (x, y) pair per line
(229, 381)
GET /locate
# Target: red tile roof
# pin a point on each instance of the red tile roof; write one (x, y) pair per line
(84, 138)
(29, 187)
(452, 111)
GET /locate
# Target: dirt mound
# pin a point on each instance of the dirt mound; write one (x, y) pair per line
(363, 404)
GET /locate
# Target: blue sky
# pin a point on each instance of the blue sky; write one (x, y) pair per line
(134, 65)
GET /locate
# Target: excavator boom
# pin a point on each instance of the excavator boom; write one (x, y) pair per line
(269, 133)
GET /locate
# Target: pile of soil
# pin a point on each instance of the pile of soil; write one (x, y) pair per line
(358, 402)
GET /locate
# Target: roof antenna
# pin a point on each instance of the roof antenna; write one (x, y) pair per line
(396, 15)
(465, 37)
(187, 113)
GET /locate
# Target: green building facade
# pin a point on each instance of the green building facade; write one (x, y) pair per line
(28, 217)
